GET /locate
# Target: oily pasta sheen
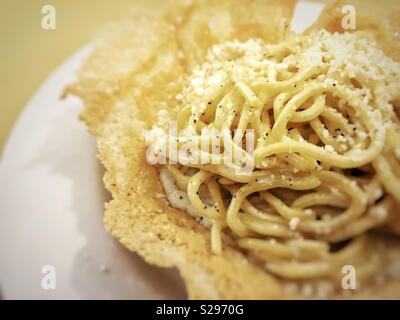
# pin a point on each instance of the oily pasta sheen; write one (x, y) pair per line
(325, 169)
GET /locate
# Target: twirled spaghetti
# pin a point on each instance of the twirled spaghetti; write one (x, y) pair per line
(326, 151)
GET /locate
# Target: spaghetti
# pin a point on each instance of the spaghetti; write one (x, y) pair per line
(326, 151)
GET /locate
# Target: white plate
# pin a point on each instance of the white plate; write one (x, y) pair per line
(52, 200)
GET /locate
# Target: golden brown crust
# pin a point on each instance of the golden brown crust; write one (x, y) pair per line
(135, 71)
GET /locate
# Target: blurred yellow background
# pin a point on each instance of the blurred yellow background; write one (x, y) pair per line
(29, 54)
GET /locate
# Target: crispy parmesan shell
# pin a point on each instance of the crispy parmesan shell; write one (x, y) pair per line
(135, 71)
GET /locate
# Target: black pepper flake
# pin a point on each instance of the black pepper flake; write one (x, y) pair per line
(334, 84)
(319, 162)
(209, 102)
(180, 197)
(197, 192)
